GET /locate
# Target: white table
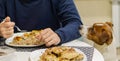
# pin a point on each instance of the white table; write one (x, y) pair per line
(23, 56)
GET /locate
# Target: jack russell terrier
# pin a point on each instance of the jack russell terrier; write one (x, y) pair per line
(100, 35)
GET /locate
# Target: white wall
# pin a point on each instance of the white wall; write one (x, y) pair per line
(92, 11)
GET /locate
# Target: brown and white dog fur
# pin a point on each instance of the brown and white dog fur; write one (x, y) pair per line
(100, 35)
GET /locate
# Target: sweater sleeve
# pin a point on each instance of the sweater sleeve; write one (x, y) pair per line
(70, 20)
(2, 10)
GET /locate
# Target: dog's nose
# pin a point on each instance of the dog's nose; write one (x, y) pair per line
(81, 26)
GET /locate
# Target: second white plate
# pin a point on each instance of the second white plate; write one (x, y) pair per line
(35, 55)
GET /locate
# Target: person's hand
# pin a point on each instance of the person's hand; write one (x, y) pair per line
(6, 28)
(49, 37)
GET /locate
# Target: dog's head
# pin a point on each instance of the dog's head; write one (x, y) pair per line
(100, 33)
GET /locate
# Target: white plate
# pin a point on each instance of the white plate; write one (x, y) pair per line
(7, 41)
(35, 55)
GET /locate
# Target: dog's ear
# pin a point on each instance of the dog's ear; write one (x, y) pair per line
(108, 42)
(103, 37)
(106, 37)
(110, 24)
(110, 39)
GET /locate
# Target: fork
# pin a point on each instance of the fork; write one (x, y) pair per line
(18, 29)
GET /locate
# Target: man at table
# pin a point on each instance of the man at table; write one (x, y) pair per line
(59, 19)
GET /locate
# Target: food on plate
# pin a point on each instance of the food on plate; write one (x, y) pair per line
(61, 53)
(28, 38)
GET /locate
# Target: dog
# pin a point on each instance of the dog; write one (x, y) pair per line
(100, 36)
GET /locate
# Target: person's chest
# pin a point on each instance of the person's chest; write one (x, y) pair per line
(32, 14)
(39, 9)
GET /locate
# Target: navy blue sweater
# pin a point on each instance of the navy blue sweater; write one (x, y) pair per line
(59, 15)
